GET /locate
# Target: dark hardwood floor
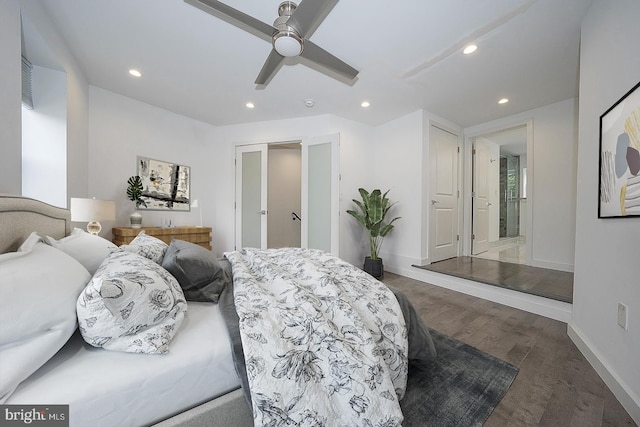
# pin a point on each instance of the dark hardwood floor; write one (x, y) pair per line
(543, 282)
(556, 386)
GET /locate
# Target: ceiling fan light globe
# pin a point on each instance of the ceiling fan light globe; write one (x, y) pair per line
(287, 45)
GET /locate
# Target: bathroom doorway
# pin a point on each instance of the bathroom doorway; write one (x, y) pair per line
(505, 196)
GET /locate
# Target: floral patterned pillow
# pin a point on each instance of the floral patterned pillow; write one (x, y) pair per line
(147, 246)
(131, 304)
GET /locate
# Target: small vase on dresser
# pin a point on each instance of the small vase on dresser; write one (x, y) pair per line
(135, 219)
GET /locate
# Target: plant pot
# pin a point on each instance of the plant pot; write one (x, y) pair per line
(135, 219)
(374, 267)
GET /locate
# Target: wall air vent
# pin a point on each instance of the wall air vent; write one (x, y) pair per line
(27, 70)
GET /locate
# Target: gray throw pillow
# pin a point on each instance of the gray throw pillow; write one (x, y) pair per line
(201, 276)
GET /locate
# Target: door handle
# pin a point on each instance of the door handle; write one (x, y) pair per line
(434, 202)
(489, 203)
(262, 212)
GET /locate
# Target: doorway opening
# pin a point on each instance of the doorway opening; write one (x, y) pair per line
(499, 196)
(284, 189)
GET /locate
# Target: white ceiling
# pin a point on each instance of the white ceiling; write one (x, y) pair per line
(407, 51)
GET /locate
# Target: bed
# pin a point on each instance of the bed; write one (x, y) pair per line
(210, 374)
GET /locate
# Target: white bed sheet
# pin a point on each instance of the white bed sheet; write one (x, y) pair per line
(107, 388)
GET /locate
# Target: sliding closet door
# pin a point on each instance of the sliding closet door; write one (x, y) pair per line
(320, 193)
(251, 196)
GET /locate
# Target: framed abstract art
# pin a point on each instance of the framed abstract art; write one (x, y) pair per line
(166, 186)
(620, 158)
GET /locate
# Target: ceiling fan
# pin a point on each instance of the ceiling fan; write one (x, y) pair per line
(289, 34)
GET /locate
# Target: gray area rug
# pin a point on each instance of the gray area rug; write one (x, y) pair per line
(461, 388)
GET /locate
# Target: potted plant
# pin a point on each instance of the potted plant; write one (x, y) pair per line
(134, 193)
(373, 210)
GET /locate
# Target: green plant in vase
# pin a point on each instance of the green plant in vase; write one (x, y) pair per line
(134, 193)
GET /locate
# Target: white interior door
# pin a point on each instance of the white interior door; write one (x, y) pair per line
(321, 193)
(443, 212)
(480, 198)
(251, 196)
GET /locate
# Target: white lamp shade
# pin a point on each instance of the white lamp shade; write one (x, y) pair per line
(85, 210)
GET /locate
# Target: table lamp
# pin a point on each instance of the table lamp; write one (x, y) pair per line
(195, 204)
(92, 211)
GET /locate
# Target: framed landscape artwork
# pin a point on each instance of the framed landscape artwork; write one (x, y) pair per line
(166, 185)
(620, 158)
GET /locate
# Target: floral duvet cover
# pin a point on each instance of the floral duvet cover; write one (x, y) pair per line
(324, 343)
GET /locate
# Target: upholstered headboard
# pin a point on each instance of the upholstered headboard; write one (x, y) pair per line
(19, 216)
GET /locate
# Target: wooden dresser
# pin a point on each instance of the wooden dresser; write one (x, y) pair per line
(198, 235)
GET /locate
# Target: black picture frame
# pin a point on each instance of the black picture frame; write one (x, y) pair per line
(619, 179)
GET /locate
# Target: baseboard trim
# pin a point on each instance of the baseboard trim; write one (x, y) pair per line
(629, 401)
(552, 265)
(546, 307)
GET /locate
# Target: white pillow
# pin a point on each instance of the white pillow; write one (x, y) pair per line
(131, 304)
(39, 291)
(148, 246)
(88, 249)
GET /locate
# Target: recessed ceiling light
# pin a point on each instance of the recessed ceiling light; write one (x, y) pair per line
(309, 103)
(365, 104)
(470, 49)
(135, 73)
(503, 101)
(250, 105)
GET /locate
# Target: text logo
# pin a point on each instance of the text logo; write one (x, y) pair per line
(34, 415)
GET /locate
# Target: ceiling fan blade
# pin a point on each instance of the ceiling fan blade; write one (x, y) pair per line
(316, 54)
(271, 65)
(235, 17)
(309, 14)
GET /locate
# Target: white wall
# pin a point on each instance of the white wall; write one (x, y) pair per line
(553, 156)
(120, 129)
(397, 166)
(10, 98)
(606, 270)
(44, 138)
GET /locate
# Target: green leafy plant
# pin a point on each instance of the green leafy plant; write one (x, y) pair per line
(134, 191)
(373, 210)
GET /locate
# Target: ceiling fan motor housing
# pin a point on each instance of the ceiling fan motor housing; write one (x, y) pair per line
(286, 41)
(289, 35)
